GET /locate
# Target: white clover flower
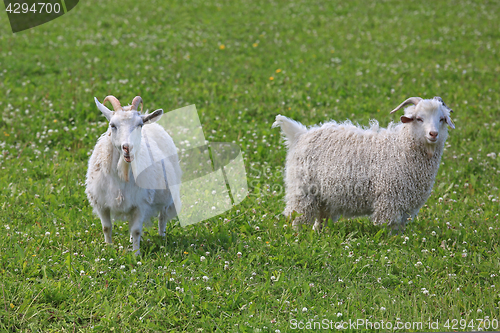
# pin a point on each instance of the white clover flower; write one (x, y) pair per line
(139, 263)
(122, 267)
(464, 254)
(311, 284)
(433, 233)
(171, 280)
(205, 278)
(339, 314)
(47, 233)
(239, 254)
(419, 263)
(382, 308)
(202, 258)
(273, 278)
(304, 309)
(208, 288)
(424, 240)
(133, 271)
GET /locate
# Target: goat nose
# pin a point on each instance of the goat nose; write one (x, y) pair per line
(126, 147)
(433, 134)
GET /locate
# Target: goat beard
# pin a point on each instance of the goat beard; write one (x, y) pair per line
(123, 168)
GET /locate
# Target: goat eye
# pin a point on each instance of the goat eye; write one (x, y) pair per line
(112, 126)
(441, 120)
(420, 119)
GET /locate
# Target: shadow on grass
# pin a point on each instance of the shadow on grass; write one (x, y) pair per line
(190, 238)
(356, 226)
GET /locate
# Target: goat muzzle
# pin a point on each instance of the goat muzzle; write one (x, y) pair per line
(126, 153)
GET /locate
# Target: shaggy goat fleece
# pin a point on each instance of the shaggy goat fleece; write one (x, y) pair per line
(341, 169)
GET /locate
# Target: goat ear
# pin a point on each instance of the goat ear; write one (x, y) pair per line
(405, 119)
(105, 111)
(152, 117)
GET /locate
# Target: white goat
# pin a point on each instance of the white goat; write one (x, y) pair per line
(341, 169)
(134, 171)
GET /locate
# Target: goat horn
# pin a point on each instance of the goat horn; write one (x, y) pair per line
(114, 102)
(437, 98)
(411, 100)
(135, 103)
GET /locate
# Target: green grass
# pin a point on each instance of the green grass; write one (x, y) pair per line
(241, 63)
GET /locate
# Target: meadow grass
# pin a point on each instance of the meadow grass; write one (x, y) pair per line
(242, 63)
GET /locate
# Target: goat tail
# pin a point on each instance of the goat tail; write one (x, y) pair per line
(291, 128)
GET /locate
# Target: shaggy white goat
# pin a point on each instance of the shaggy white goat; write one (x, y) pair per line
(341, 169)
(132, 170)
